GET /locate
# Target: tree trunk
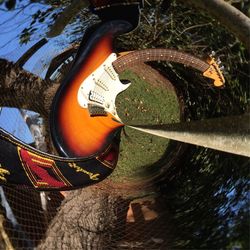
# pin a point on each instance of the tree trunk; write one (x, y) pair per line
(88, 219)
(24, 90)
(65, 17)
(30, 52)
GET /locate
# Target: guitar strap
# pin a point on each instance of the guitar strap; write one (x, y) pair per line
(22, 165)
(128, 10)
(110, 10)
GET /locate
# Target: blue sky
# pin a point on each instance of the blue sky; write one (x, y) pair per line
(11, 25)
(12, 121)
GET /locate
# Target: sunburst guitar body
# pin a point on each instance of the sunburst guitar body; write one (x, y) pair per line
(84, 120)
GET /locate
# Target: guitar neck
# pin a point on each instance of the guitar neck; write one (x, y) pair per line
(133, 58)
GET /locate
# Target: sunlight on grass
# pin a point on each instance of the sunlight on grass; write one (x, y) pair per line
(143, 103)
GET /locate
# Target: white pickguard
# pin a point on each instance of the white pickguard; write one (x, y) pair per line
(99, 90)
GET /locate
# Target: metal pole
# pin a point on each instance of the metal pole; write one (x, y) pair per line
(228, 134)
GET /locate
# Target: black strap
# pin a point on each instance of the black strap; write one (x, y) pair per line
(118, 10)
(102, 4)
(23, 165)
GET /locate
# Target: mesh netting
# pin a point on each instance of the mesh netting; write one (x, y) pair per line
(162, 194)
(123, 223)
(124, 211)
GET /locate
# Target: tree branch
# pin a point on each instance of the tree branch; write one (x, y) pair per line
(22, 89)
(64, 18)
(233, 19)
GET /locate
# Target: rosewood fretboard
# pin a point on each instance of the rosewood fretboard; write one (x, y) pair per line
(147, 55)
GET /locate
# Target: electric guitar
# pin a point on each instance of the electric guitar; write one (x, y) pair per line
(84, 118)
(23, 165)
(84, 122)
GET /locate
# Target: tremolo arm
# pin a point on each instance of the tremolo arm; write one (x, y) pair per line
(98, 91)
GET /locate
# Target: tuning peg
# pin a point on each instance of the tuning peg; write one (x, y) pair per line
(212, 54)
(218, 61)
(222, 68)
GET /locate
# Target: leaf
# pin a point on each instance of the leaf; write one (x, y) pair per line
(25, 37)
(10, 4)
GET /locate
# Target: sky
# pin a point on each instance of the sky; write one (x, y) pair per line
(11, 25)
(12, 121)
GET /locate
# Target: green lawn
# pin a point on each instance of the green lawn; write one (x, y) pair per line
(142, 103)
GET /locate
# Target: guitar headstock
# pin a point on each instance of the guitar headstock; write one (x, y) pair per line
(214, 71)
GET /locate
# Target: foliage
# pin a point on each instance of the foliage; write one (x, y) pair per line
(42, 17)
(139, 104)
(207, 192)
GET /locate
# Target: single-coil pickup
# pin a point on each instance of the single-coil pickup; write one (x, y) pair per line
(101, 84)
(111, 72)
(95, 97)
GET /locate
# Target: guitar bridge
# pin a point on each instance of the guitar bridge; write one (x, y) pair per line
(95, 110)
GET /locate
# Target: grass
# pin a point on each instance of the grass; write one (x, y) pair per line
(143, 103)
